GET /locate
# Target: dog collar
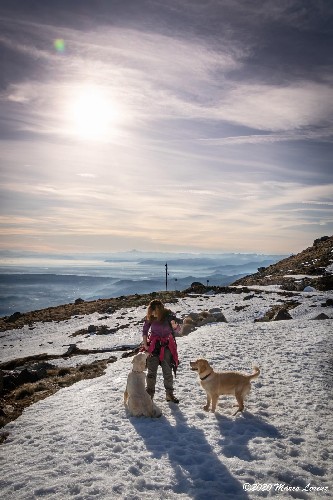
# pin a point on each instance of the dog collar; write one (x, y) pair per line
(204, 378)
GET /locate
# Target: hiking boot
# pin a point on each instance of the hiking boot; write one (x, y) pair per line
(171, 398)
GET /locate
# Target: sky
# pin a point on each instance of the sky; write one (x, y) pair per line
(165, 125)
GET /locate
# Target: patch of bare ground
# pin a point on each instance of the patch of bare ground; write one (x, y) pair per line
(15, 398)
(80, 307)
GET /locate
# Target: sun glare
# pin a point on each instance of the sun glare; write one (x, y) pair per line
(93, 114)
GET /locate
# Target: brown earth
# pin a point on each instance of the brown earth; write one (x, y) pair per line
(81, 307)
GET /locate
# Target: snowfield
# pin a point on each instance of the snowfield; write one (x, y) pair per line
(81, 444)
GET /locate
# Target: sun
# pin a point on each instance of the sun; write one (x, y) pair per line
(92, 113)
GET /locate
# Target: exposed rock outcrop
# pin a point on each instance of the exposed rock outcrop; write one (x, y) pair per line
(312, 267)
(194, 320)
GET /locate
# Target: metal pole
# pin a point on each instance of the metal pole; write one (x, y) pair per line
(166, 276)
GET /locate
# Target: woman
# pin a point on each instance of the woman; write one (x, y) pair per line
(161, 346)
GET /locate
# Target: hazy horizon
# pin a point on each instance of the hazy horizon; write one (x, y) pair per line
(34, 281)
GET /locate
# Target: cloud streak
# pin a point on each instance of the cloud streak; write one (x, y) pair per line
(218, 140)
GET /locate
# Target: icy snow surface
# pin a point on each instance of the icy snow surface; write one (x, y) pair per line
(81, 444)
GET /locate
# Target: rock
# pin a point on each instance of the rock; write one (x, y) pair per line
(197, 287)
(15, 378)
(14, 317)
(188, 321)
(282, 315)
(321, 316)
(196, 284)
(328, 303)
(309, 289)
(249, 297)
(220, 318)
(71, 350)
(79, 301)
(239, 308)
(215, 310)
(186, 329)
(320, 240)
(194, 320)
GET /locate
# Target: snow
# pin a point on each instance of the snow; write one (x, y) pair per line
(302, 276)
(81, 444)
(329, 268)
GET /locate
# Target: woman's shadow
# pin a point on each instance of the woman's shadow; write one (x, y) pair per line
(198, 470)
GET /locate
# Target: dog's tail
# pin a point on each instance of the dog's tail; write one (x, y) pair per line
(255, 374)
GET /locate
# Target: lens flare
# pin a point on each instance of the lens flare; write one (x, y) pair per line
(59, 45)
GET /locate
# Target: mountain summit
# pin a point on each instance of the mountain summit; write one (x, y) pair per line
(311, 267)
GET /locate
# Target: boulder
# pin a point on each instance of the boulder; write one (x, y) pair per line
(14, 317)
(194, 320)
(309, 289)
(79, 301)
(186, 329)
(282, 315)
(321, 316)
(328, 303)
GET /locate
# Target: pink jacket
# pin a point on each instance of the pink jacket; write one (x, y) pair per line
(165, 342)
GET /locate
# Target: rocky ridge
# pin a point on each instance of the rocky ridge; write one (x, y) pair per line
(311, 267)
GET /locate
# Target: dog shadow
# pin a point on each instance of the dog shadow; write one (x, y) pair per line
(198, 471)
(237, 432)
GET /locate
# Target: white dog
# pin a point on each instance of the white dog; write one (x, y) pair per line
(136, 397)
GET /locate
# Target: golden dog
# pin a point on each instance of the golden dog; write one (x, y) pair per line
(216, 384)
(136, 398)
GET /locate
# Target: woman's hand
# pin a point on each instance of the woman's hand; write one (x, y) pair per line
(148, 354)
(175, 326)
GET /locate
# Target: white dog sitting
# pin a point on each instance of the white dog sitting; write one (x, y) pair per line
(136, 397)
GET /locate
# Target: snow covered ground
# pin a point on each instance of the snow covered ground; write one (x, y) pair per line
(81, 444)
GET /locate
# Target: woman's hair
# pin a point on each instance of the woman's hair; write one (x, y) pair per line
(156, 311)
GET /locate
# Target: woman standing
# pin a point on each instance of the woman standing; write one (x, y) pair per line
(159, 342)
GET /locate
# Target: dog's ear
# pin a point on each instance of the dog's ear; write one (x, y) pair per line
(202, 364)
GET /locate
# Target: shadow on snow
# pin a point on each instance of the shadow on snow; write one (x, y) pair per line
(198, 471)
(236, 433)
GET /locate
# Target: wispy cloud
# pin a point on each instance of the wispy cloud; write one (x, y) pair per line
(324, 134)
(180, 90)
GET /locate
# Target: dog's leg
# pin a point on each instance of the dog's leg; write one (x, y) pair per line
(240, 402)
(206, 407)
(125, 396)
(214, 402)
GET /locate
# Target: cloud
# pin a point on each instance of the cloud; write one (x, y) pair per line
(322, 134)
(155, 77)
(87, 175)
(182, 90)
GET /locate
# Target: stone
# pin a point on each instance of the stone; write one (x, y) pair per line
(321, 316)
(282, 315)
